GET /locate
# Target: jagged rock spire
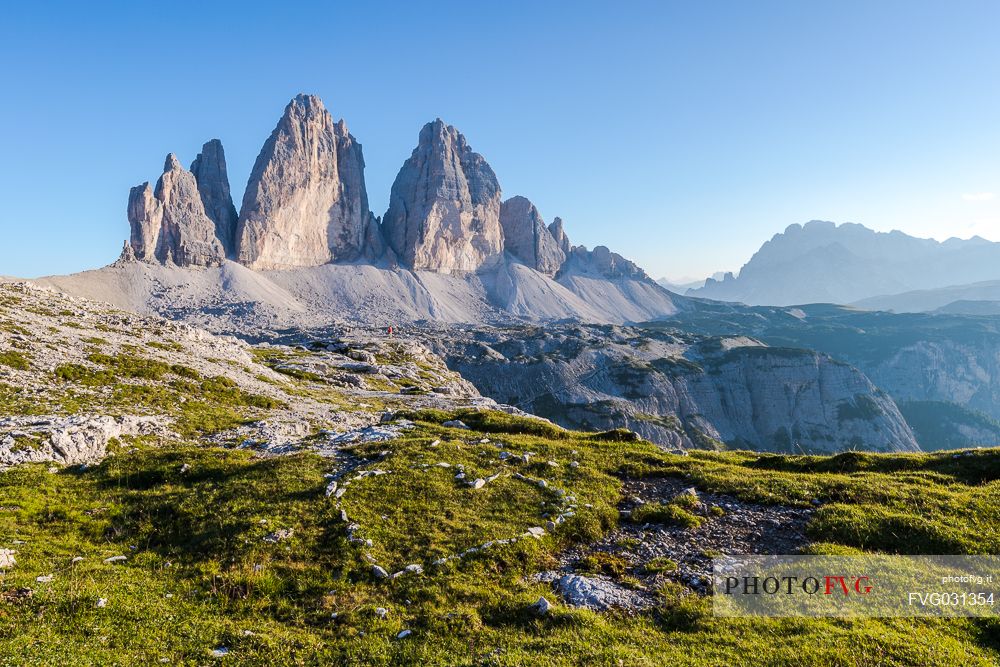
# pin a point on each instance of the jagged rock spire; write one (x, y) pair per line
(527, 238)
(169, 223)
(559, 234)
(444, 209)
(305, 203)
(209, 170)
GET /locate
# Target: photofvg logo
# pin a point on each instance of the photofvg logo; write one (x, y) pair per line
(792, 585)
(862, 585)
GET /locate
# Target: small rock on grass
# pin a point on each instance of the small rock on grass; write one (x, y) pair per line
(542, 607)
(379, 572)
(403, 634)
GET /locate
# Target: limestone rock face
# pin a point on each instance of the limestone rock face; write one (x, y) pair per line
(169, 223)
(444, 209)
(305, 203)
(527, 238)
(602, 262)
(209, 170)
(557, 232)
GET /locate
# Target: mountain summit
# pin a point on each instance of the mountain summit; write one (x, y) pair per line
(305, 203)
(305, 248)
(444, 210)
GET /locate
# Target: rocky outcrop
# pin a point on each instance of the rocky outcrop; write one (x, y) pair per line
(603, 263)
(527, 238)
(209, 170)
(559, 234)
(681, 391)
(169, 223)
(444, 209)
(67, 440)
(305, 203)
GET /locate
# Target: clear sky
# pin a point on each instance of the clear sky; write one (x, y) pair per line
(681, 134)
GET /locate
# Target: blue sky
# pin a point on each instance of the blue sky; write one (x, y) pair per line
(681, 134)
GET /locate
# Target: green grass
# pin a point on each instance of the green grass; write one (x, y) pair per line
(673, 514)
(14, 359)
(199, 573)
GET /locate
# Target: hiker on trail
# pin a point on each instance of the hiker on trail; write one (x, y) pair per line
(390, 331)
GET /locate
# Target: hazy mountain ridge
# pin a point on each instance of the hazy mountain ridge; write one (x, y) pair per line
(821, 262)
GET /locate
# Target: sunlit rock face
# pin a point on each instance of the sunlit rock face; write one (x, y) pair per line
(305, 203)
(444, 209)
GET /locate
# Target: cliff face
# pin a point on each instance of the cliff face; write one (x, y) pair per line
(305, 203)
(209, 170)
(444, 209)
(527, 238)
(682, 391)
(169, 223)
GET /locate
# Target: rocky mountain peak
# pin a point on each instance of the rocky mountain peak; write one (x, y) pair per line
(169, 223)
(444, 208)
(209, 170)
(306, 202)
(557, 232)
(527, 238)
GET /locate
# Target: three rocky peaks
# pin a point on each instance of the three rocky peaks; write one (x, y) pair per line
(306, 205)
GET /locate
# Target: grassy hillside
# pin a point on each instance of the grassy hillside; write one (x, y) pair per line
(239, 549)
(200, 575)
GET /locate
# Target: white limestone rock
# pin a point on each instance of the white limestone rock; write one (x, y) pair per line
(444, 209)
(527, 238)
(306, 202)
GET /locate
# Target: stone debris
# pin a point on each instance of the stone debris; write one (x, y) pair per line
(403, 634)
(116, 559)
(7, 560)
(279, 535)
(455, 423)
(379, 572)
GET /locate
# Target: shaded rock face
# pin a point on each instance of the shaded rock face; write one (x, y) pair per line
(559, 234)
(209, 170)
(305, 203)
(602, 262)
(444, 209)
(169, 223)
(527, 238)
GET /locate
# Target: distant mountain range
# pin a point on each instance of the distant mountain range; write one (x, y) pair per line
(821, 262)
